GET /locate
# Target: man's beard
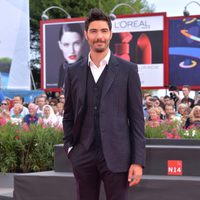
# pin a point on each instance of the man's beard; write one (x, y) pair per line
(100, 49)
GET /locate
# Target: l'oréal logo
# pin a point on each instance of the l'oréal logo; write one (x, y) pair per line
(124, 24)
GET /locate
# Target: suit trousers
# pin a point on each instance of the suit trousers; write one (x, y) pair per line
(89, 176)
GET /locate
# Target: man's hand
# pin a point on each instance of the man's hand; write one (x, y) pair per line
(134, 174)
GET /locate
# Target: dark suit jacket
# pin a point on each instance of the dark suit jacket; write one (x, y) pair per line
(121, 115)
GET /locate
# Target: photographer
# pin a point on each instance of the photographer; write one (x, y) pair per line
(174, 95)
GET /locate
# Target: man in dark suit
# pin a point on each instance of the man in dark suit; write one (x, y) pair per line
(103, 117)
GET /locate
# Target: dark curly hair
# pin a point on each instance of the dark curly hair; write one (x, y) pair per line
(96, 14)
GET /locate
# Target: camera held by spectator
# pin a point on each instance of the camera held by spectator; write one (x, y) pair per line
(174, 93)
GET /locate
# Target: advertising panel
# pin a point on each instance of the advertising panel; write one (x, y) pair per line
(136, 38)
(184, 51)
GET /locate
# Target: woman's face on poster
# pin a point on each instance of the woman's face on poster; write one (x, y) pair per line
(71, 46)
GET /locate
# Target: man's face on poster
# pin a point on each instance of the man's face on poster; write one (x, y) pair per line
(71, 46)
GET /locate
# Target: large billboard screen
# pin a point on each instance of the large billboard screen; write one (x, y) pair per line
(184, 51)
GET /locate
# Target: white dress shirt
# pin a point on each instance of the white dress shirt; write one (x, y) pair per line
(97, 71)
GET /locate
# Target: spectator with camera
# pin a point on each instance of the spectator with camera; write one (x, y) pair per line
(174, 95)
(19, 99)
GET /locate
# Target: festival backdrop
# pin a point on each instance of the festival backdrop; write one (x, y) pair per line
(136, 38)
(184, 51)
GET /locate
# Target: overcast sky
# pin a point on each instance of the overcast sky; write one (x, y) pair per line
(175, 7)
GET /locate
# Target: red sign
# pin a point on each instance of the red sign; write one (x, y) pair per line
(175, 167)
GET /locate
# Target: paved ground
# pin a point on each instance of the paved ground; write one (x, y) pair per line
(5, 190)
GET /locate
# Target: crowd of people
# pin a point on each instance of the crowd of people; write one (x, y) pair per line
(156, 109)
(43, 110)
(172, 107)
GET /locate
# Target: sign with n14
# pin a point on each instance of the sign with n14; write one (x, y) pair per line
(175, 167)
